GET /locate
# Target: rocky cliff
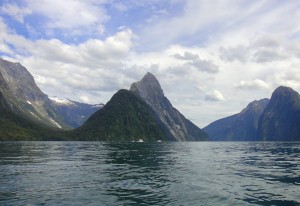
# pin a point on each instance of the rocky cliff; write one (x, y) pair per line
(24, 98)
(178, 127)
(280, 120)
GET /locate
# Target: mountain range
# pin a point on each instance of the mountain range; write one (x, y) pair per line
(143, 112)
(238, 127)
(128, 116)
(277, 119)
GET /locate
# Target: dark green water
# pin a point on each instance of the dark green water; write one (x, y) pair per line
(93, 173)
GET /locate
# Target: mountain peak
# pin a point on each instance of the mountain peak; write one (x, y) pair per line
(280, 120)
(179, 128)
(148, 87)
(149, 76)
(284, 91)
(284, 95)
(150, 80)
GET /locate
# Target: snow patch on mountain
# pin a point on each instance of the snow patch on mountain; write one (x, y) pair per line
(98, 105)
(63, 101)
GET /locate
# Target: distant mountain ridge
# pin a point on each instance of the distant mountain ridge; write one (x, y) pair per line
(239, 127)
(143, 112)
(74, 113)
(277, 119)
(29, 114)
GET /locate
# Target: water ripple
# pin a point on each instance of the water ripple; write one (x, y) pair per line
(98, 173)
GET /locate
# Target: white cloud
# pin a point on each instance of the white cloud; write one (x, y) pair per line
(198, 16)
(15, 11)
(287, 77)
(239, 53)
(252, 85)
(73, 71)
(267, 41)
(186, 56)
(69, 14)
(233, 47)
(204, 65)
(71, 17)
(269, 55)
(214, 96)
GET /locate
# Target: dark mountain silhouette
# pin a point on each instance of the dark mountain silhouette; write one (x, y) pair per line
(239, 127)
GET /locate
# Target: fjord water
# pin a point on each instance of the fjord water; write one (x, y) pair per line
(98, 173)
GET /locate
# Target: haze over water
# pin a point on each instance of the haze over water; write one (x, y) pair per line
(98, 173)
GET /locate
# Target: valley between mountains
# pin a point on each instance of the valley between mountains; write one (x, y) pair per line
(143, 112)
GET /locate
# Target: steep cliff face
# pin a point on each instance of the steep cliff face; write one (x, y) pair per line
(281, 119)
(239, 127)
(178, 127)
(15, 127)
(24, 98)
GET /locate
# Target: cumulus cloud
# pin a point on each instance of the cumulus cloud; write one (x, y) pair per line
(205, 66)
(267, 41)
(69, 70)
(252, 85)
(268, 55)
(193, 59)
(186, 56)
(214, 96)
(288, 77)
(239, 53)
(262, 50)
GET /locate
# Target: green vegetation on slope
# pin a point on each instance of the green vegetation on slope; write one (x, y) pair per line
(15, 127)
(124, 118)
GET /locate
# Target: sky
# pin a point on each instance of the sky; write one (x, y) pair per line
(211, 57)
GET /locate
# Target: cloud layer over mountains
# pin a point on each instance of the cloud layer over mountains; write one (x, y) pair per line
(212, 57)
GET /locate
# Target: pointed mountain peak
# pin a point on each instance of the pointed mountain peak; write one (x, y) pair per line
(150, 80)
(149, 76)
(148, 87)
